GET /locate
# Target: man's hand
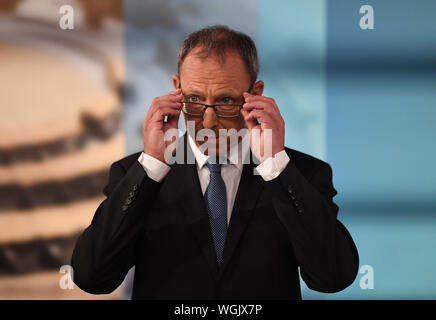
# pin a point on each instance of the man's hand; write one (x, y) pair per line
(265, 109)
(154, 127)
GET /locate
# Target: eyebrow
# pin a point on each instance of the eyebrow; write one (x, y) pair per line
(193, 92)
(223, 94)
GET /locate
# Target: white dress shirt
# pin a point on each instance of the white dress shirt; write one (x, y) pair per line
(231, 173)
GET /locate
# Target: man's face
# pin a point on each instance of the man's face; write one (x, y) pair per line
(210, 82)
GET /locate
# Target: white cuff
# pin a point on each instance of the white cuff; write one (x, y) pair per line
(273, 166)
(155, 169)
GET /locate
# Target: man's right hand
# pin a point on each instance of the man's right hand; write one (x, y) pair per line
(154, 127)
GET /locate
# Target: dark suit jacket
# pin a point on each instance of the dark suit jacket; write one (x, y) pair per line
(163, 229)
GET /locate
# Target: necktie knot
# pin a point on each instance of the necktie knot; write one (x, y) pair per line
(214, 167)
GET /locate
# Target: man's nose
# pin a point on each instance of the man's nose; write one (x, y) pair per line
(209, 118)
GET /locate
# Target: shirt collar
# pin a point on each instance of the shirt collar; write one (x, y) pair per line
(201, 158)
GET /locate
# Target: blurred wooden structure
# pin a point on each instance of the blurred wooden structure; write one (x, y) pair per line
(60, 129)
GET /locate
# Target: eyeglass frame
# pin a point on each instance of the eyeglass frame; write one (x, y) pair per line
(214, 106)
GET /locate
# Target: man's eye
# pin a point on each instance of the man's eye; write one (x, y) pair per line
(228, 100)
(193, 98)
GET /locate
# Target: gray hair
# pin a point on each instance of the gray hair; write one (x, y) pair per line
(216, 40)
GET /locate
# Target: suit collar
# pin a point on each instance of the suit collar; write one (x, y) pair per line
(249, 190)
(184, 186)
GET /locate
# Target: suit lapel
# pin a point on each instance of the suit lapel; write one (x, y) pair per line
(249, 189)
(187, 186)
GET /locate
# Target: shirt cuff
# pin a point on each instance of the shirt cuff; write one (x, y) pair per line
(155, 169)
(273, 166)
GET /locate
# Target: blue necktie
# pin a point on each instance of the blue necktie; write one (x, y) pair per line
(216, 204)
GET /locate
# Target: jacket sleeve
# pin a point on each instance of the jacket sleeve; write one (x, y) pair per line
(324, 249)
(105, 251)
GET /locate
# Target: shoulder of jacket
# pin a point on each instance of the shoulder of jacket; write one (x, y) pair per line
(304, 161)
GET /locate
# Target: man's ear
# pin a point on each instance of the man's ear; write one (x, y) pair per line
(258, 88)
(176, 81)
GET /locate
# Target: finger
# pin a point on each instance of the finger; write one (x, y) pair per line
(159, 115)
(265, 106)
(175, 92)
(259, 114)
(160, 119)
(172, 96)
(165, 104)
(261, 100)
(165, 100)
(168, 97)
(253, 115)
(157, 102)
(168, 108)
(252, 106)
(173, 121)
(250, 123)
(250, 96)
(267, 109)
(156, 106)
(254, 96)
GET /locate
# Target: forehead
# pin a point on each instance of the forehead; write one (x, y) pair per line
(230, 72)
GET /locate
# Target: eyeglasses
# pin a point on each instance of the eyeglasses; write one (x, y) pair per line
(197, 109)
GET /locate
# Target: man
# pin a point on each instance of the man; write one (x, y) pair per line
(214, 228)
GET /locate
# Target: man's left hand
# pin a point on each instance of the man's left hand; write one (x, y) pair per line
(265, 109)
